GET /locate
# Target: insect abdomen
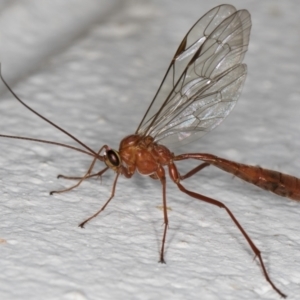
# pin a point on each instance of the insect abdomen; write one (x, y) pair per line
(281, 184)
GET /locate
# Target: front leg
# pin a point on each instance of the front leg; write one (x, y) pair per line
(87, 174)
(122, 170)
(106, 203)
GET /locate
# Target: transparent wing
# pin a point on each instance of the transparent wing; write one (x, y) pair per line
(204, 79)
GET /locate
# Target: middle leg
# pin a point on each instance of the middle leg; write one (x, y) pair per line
(161, 175)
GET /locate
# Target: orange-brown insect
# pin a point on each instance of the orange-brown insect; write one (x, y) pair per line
(200, 88)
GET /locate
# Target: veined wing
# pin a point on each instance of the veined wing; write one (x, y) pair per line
(204, 79)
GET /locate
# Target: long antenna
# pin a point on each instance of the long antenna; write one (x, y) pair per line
(48, 121)
(47, 142)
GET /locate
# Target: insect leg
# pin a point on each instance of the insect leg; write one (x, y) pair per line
(194, 171)
(106, 203)
(161, 175)
(239, 226)
(87, 175)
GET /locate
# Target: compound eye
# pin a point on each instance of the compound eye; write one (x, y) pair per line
(112, 158)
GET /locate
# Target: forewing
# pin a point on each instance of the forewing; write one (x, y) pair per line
(204, 79)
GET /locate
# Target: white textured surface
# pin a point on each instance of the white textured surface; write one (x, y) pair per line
(97, 87)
